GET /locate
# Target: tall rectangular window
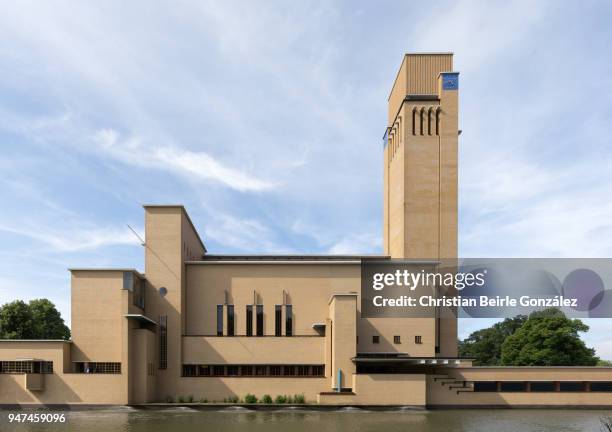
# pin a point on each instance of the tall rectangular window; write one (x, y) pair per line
(128, 281)
(260, 323)
(230, 320)
(219, 320)
(163, 342)
(249, 320)
(288, 320)
(278, 320)
(138, 297)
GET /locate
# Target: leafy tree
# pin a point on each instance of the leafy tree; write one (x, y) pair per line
(38, 319)
(47, 321)
(484, 346)
(548, 338)
(16, 321)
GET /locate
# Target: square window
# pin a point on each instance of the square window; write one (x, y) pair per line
(397, 340)
(375, 339)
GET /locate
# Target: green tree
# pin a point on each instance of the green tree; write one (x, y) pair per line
(38, 319)
(548, 338)
(47, 321)
(484, 346)
(16, 321)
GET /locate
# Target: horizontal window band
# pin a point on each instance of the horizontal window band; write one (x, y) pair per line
(255, 336)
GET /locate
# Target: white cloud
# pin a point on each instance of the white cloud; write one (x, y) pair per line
(248, 235)
(356, 244)
(74, 239)
(184, 163)
(478, 32)
(536, 211)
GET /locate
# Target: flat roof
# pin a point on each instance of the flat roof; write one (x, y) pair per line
(541, 367)
(301, 257)
(140, 275)
(186, 215)
(286, 259)
(426, 53)
(35, 340)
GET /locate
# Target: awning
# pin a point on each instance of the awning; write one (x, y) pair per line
(141, 318)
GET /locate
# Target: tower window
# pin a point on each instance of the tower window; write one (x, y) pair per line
(288, 320)
(429, 121)
(418, 339)
(278, 320)
(219, 320)
(397, 340)
(260, 320)
(163, 342)
(375, 339)
(414, 121)
(422, 120)
(249, 320)
(438, 121)
(230, 320)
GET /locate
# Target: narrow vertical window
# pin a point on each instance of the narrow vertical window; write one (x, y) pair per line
(278, 320)
(219, 320)
(429, 121)
(422, 120)
(438, 121)
(230, 320)
(414, 120)
(259, 313)
(128, 281)
(163, 342)
(138, 297)
(249, 320)
(288, 320)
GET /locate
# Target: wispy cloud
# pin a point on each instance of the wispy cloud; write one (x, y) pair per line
(546, 211)
(356, 244)
(74, 239)
(184, 163)
(246, 235)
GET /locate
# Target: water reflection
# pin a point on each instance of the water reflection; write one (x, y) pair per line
(184, 419)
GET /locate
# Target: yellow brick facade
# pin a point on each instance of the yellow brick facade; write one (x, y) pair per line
(212, 327)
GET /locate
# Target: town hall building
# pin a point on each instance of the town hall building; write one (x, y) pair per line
(203, 326)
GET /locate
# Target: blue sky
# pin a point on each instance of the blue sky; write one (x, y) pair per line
(265, 120)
